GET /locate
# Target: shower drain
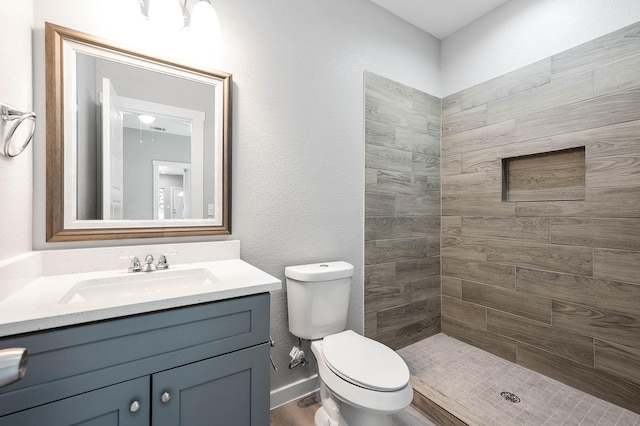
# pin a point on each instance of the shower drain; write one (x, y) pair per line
(510, 397)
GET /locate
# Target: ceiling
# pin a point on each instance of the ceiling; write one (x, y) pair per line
(439, 18)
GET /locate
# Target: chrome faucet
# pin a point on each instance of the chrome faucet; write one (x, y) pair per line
(148, 264)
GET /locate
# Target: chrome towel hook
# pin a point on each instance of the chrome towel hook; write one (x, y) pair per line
(9, 113)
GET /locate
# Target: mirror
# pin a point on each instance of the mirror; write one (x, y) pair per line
(137, 146)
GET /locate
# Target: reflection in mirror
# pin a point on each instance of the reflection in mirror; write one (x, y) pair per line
(139, 146)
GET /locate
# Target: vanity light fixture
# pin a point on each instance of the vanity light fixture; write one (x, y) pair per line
(173, 14)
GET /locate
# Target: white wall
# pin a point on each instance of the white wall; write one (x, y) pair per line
(298, 142)
(521, 32)
(16, 184)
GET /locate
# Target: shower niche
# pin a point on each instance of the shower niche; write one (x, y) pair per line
(549, 176)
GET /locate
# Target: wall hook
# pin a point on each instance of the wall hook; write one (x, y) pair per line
(9, 113)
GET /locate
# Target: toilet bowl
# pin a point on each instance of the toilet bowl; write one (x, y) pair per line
(367, 381)
(362, 382)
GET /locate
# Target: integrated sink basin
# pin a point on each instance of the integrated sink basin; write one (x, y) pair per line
(154, 285)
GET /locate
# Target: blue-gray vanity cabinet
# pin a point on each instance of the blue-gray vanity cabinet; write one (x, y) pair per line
(200, 365)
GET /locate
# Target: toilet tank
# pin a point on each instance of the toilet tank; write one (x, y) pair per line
(318, 298)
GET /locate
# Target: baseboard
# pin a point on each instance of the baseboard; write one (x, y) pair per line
(294, 391)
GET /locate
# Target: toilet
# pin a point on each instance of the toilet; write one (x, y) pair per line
(362, 382)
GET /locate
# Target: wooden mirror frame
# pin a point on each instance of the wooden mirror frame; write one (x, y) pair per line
(55, 165)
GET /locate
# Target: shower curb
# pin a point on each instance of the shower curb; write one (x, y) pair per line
(440, 408)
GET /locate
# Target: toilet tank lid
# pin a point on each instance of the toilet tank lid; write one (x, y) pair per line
(319, 271)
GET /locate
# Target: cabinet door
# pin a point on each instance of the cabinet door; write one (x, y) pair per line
(108, 406)
(231, 389)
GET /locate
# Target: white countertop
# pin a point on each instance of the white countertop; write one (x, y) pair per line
(41, 304)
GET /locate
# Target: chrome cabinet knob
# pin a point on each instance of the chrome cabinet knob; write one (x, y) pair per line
(134, 407)
(165, 397)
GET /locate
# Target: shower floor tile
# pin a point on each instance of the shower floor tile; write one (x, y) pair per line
(474, 379)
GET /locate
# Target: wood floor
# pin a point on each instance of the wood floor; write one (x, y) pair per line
(296, 413)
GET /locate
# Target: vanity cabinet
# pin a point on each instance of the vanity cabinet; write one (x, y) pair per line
(199, 365)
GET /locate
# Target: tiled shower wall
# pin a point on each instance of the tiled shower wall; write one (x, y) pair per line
(402, 212)
(551, 285)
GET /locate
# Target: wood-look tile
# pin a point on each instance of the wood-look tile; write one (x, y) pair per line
(484, 272)
(417, 269)
(553, 339)
(489, 159)
(440, 408)
(464, 248)
(451, 226)
(468, 183)
(388, 91)
(606, 141)
(601, 323)
(379, 228)
(426, 104)
(383, 158)
(619, 360)
(397, 338)
(451, 286)
(370, 180)
(510, 301)
(465, 120)
(379, 134)
(598, 52)
(452, 104)
(557, 93)
(425, 165)
(617, 76)
(451, 165)
(489, 136)
(551, 208)
(617, 265)
(597, 112)
(376, 204)
(412, 141)
(599, 383)
(534, 75)
(398, 115)
(402, 315)
(490, 342)
(386, 297)
(558, 175)
(418, 205)
(606, 294)
(553, 257)
(623, 234)
(383, 274)
(434, 308)
(481, 204)
(613, 171)
(370, 324)
(397, 250)
(425, 289)
(533, 229)
(474, 316)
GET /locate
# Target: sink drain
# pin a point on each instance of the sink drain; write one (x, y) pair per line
(510, 397)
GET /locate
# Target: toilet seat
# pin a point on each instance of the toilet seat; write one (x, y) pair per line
(365, 362)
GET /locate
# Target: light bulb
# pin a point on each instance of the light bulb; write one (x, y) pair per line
(204, 21)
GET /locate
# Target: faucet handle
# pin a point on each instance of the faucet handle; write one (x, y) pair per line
(135, 265)
(162, 262)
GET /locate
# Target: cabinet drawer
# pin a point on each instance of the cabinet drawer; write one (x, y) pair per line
(77, 359)
(106, 406)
